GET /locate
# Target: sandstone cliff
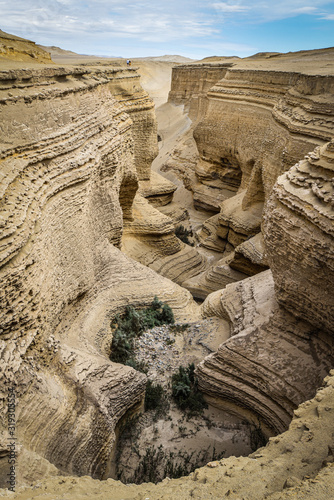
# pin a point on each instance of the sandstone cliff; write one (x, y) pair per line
(71, 160)
(296, 464)
(19, 49)
(75, 164)
(259, 119)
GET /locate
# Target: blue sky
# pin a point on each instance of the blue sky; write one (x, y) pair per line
(191, 28)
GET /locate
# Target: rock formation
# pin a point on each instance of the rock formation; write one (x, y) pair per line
(71, 160)
(252, 125)
(296, 464)
(300, 215)
(19, 49)
(78, 200)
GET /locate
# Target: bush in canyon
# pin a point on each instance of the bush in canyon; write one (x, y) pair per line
(132, 324)
(154, 395)
(185, 391)
(183, 234)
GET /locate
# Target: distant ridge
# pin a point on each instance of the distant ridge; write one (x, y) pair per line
(166, 58)
(15, 48)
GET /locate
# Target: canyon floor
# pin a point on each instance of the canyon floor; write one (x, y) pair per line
(169, 434)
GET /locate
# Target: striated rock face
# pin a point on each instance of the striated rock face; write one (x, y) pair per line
(272, 362)
(296, 464)
(76, 144)
(281, 320)
(68, 179)
(257, 122)
(150, 239)
(272, 119)
(190, 84)
(300, 214)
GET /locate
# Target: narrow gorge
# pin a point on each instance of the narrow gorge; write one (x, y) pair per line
(94, 191)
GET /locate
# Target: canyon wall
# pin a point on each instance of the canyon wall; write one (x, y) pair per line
(71, 161)
(258, 123)
(190, 84)
(77, 144)
(19, 49)
(253, 124)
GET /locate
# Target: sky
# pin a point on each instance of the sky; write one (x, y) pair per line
(191, 28)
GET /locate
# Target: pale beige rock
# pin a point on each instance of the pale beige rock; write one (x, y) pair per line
(158, 190)
(257, 120)
(19, 49)
(249, 257)
(68, 179)
(271, 363)
(150, 239)
(214, 278)
(303, 452)
(300, 214)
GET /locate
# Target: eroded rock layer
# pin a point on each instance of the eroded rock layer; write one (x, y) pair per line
(190, 84)
(300, 213)
(258, 121)
(19, 49)
(272, 119)
(256, 371)
(68, 179)
(296, 464)
(275, 322)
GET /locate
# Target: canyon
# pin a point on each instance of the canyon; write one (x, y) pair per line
(89, 209)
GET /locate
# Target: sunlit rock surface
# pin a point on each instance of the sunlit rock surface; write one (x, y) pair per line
(71, 157)
(259, 119)
(299, 234)
(76, 143)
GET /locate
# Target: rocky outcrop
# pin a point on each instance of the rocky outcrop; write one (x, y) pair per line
(69, 159)
(190, 84)
(19, 49)
(284, 115)
(296, 464)
(276, 320)
(255, 372)
(150, 239)
(299, 233)
(258, 121)
(77, 143)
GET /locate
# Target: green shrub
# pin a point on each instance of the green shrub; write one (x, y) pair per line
(183, 234)
(132, 324)
(179, 328)
(140, 366)
(185, 390)
(154, 395)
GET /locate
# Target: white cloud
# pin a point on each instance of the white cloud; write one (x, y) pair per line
(305, 10)
(328, 17)
(115, 17)
(225, 7)
(266, 10)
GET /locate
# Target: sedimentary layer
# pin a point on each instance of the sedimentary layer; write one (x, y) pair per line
(296, 464)
(258, 120)
(71, 157)
(285, 314)
(272, 362)
(300, 214)
(19, 49)
(257, 124)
